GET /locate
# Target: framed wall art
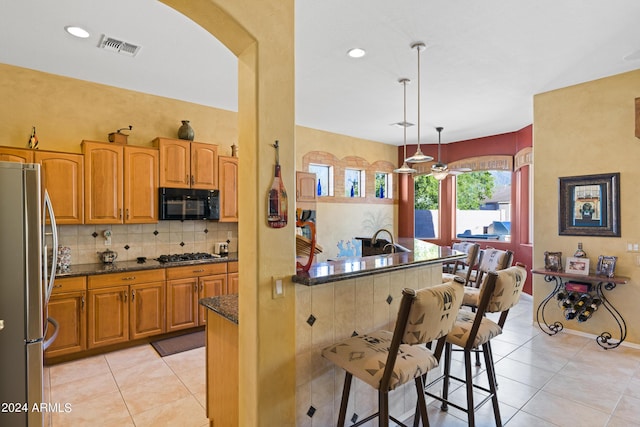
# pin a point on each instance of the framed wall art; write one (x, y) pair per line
(553, 261)
(577, 266)
(590, 205)
(606, 266)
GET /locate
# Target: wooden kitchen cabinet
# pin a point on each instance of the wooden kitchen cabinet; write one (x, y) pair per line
(103, 165)
(125, 306)
(233, 276)
(121, 183)
(228, 180)
(185, 286)
(67, 306)
(306, 190)
(140, 185)
(209, 286)
(182, 300)
(108, 316)
(147, 307)
(19, 155)
(62, 175)
(187, 164)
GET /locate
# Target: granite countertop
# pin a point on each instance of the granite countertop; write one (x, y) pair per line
(122, 266)
(225, 305)
(422, 253)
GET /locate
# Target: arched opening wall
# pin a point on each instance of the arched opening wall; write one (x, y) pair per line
(261, 35)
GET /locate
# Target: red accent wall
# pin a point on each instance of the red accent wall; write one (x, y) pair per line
(503, 144)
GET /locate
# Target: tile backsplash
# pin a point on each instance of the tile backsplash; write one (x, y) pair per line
(149, 240)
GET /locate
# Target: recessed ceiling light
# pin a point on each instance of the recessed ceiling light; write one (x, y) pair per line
(356, 52)
(77, 31)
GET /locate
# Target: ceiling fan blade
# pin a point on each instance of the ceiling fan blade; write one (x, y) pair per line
(458, 171)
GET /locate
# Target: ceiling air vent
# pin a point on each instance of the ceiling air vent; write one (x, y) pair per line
(118, 46)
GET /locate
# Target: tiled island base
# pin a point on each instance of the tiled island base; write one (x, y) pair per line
(333, 311)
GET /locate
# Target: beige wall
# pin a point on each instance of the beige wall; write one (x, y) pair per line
(338, 221)
(65, 111)
(580, 130)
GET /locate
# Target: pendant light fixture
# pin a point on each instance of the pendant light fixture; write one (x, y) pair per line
(418, 157)
(405, 167)
(441, 170)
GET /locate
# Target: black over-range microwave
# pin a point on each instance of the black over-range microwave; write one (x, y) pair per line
(188, 204)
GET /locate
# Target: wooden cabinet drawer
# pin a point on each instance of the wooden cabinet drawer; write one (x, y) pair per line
(126, 278)
(69, 284)
(196, 270)
(232, 267)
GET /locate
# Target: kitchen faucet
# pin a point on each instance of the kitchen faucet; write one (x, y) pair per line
(374, 240)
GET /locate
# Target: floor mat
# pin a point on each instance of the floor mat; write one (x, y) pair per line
(169, 346)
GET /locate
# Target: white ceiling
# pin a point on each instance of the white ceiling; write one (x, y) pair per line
(483, 63)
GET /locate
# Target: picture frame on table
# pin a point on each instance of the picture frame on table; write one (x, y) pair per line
(606, 266)
(589, 205)
(553, 261)
(577, 265)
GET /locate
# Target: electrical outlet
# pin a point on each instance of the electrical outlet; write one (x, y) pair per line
(229, 235)
(107, 237)
(277, 287)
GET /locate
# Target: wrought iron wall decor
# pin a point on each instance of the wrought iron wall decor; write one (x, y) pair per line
(590, 205)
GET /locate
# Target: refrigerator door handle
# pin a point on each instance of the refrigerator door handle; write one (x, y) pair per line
(54, 259)
(52, 338)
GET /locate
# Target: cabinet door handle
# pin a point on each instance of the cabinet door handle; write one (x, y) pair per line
(198, 271)
(186, 179)
(127, 213)
(129, 278)
(120, 213)
(124, 296)
(82, 303)
(195, 287)
(200, 287)
(192, 180)
(133, 295)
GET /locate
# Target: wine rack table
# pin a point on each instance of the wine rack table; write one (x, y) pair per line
(604, 340)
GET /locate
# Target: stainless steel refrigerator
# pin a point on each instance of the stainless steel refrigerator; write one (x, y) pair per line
(28, 247)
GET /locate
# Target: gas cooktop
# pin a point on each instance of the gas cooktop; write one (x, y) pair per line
(193, 256)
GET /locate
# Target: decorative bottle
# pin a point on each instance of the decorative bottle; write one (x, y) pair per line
(186, 131)
(277, 203)
(33, 139)
(319, 190)
(579, 252)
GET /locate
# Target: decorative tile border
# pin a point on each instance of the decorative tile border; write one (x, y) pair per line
(351, 162)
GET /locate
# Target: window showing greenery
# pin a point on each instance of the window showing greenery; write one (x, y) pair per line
(426, 199)
(324, 178)
(353, 183)
(383, 185)
(483, 205)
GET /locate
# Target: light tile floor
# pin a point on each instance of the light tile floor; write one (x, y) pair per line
(564, 380)
(132, 387)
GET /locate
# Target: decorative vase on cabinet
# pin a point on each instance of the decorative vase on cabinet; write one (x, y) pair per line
(186, 131)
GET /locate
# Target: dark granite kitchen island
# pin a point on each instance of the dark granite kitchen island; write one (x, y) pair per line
(340, 298)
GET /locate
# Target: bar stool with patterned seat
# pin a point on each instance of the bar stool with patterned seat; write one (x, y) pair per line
(492, 260)
(464, 268)
(386, 360)
(498, 294)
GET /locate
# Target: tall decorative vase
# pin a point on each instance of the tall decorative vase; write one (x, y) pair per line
(186, 131)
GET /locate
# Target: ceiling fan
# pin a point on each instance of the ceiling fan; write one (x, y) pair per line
(440, 170)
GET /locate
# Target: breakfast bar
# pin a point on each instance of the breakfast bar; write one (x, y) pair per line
(336, 299)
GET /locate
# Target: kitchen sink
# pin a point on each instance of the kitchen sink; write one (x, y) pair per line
(381, 246)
